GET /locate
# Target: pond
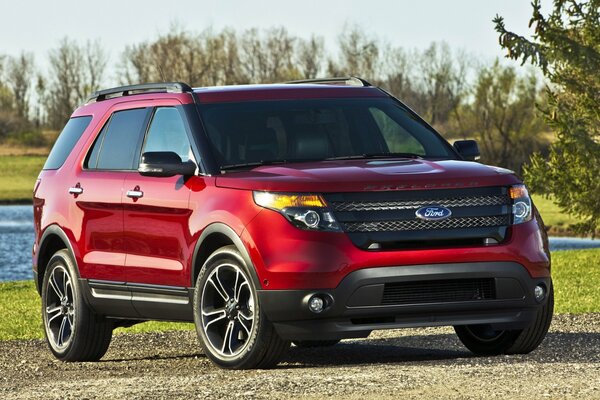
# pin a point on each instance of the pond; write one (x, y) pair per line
(16, 240)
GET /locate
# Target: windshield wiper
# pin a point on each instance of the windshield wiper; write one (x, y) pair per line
(377, 155)
(250, 164)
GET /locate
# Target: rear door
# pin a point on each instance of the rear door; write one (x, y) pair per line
(156, 209)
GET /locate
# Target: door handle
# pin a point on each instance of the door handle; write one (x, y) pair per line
(76, 190)
(135, 193)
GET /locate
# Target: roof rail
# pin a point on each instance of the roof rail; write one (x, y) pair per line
(343, 81)
(160, 87)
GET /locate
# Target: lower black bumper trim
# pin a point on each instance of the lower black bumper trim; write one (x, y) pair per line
(358, 309)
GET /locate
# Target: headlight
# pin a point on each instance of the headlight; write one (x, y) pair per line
(304, 211)
(521, 208)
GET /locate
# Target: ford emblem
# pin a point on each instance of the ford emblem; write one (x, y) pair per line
(433, 213)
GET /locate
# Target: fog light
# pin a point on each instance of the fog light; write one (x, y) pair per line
(539, 293)
(316, 304)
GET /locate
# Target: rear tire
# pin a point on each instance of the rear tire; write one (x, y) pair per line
(74, 332)
(231, 327)
(315, 343)
(482, 340)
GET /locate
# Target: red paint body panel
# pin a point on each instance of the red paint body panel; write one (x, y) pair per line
(290, 258)
(361, 175)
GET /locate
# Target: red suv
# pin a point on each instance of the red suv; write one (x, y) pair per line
(306, 212)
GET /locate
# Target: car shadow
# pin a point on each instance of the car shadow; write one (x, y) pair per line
(442, 349)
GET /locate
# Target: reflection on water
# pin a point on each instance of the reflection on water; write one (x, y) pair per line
(16, 239)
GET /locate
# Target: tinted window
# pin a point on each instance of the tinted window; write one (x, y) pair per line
(316, 129)
(116, 147)
(167, 133)
(66, 141)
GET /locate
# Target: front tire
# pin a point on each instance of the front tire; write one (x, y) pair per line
(231, 327)
(483, 340)
(73, 331)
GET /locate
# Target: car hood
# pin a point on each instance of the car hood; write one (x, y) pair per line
(367, 175)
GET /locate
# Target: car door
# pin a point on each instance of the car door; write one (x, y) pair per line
(156, 209)
(97, 193)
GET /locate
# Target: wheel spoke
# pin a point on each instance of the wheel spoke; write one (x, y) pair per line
(220, 313)
(235, 285)
(237, 295)
(55, 287)
(219, 289)
(227, 337)
(53, 310)
(61, 331)
(244, 326)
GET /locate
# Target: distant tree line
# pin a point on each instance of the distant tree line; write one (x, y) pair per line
(460, 97)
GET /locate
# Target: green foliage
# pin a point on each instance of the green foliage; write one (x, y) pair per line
(566, 46)
(576, 277)
(18, 175)
(503, 117)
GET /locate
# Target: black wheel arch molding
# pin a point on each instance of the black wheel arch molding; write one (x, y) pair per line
(202, 253)
(51, 230)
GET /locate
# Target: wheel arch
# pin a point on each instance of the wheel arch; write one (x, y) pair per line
(53, 239)
(213, 237)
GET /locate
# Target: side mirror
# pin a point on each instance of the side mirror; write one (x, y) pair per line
(468, 149)
(165, 164)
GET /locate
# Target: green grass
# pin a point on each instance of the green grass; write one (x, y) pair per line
(576, 276)
(554, 218)
(576, 279)
(20, 306)
(18, 175)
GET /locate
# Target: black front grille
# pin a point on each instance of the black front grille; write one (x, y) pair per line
(419, 224)
(422, 292)
(381, 220)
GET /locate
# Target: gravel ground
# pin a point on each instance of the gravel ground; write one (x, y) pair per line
(409, 363)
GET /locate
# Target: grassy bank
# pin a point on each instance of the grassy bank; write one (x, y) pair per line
(557, 222)
(576, 279)
(18, 175)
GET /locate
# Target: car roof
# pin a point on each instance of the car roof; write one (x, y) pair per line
(220, 94)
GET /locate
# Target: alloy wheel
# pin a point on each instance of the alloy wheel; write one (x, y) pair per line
(227, 307)
(59, 308)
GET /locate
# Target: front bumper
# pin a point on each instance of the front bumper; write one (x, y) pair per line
(358, 305)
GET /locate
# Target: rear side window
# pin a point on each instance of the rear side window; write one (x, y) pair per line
(117, 145)
(66, 141)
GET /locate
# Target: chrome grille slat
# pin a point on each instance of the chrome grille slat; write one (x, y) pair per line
(419, 224)
(475, 201)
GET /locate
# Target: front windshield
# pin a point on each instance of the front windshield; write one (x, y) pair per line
(267, 132)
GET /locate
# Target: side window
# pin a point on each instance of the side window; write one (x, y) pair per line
(66, 141)
(167, 133)
(117, 145)
(398, 139)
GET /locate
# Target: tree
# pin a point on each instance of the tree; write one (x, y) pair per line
(443, 82)
(502, 116)
(19, 77)
(566, 46)
(359, 54)
(75, 72)
(268, 56)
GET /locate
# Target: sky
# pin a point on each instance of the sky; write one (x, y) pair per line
(37, 26)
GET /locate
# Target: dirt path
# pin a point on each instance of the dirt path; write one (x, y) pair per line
(411, 363)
